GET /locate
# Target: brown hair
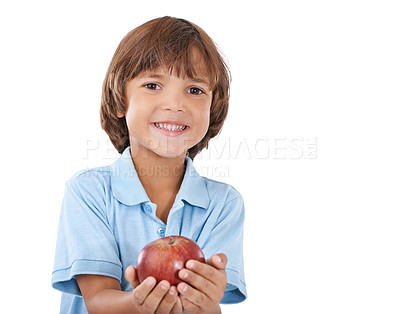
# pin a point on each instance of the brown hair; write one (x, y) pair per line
(165, 41)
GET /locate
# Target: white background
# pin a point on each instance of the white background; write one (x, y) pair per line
(311, 141)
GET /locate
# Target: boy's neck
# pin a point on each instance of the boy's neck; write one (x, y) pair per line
(159, 174)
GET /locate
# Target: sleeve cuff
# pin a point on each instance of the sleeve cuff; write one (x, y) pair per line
(236, 289)
(64, 279)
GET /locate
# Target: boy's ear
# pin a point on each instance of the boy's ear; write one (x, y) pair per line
(120, 114)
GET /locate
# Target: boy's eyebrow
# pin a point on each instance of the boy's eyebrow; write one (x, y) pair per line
(153, 75)
(161, 76)
(199, 80)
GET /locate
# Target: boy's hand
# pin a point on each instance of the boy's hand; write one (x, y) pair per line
(204, 284)
(151, 298)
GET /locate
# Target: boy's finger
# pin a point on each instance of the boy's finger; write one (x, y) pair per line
(198, 282)
(131, 276)
(143, 290)
(206, 271)
(189, 306)
(155, 297)
(177, 308)
(194, 296)
(219, 261)
(202, 269)
(167, 303)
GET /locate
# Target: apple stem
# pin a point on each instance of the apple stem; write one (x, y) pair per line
(171, 240)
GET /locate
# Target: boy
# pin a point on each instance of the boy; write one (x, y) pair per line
(165, 96)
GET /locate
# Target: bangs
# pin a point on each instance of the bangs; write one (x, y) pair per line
(180, 49)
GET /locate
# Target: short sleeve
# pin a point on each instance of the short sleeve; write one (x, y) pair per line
(85, 240)
(227, 237)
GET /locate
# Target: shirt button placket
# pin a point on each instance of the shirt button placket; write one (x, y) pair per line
(148, 208)
(161, 232)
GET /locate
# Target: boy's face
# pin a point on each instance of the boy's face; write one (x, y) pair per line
(166, 114)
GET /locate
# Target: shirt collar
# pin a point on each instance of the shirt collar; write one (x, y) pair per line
(128, 189)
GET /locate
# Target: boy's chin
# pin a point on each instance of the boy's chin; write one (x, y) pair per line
(171, 154)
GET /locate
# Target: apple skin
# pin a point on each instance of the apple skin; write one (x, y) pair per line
(163, 258)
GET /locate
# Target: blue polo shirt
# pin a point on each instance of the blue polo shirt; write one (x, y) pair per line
(107, 218)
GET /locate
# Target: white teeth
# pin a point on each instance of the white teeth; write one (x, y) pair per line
(170, 127)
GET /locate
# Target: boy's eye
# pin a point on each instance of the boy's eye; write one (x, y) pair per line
(152, 86)
(195, 91)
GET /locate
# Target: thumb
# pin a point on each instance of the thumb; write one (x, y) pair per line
(132, 277)
(219, 261)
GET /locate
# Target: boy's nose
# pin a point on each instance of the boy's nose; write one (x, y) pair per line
(173, 102)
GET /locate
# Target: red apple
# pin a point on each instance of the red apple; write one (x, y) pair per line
(163, 258)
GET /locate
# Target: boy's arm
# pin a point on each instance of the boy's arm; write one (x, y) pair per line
(205, 285)
(103, 294)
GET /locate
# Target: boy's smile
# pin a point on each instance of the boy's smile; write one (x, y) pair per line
(171, 128)
(166, 114)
